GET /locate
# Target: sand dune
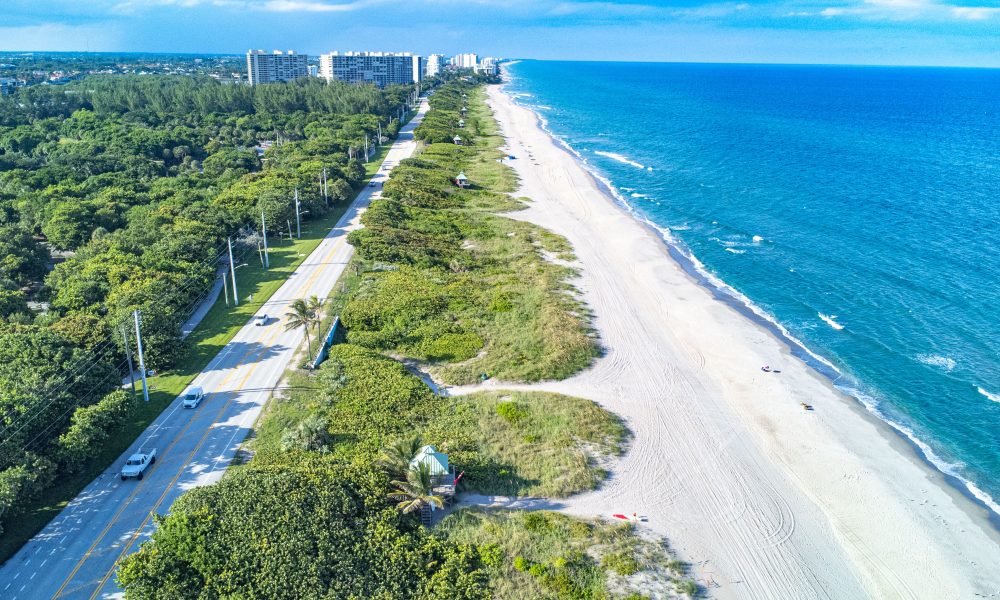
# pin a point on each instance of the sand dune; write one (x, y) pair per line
(764, 498)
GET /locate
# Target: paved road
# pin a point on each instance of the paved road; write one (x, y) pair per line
(75, 555)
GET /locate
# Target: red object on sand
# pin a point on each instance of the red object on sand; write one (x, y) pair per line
(622, 517)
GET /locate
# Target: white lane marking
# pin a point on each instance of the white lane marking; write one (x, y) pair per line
(33, 575)
(43, 562)
(5, 588)
(53, 551)
(63, 540)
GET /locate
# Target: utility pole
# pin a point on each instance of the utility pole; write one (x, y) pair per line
(128, 355)
(326, 189)
(366, 148)
(298, 218)
(232, 271)
(263, 230)
(142, 362)
(225, 288)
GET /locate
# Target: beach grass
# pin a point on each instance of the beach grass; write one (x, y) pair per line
(516, 443)
(549, 556)
(448, 281)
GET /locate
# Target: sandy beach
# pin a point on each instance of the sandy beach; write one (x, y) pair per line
(764, 498)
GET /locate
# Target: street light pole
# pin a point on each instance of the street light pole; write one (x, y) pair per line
(326, 189)
(142, 362)
(298, 218)
(232, 271)
(263, 230)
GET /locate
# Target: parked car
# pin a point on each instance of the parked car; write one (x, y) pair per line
(137, 464)
(193, 397)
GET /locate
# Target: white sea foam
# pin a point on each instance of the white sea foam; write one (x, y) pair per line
(829, 320)
(948, 468)
(757, 239)
(993, 397)
(638, 195)
(935, 360)
(620, 158)
(867, 401)
(735, 251)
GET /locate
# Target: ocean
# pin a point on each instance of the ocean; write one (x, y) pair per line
(855, 208)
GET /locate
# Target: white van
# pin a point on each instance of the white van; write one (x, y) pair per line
(193, 397)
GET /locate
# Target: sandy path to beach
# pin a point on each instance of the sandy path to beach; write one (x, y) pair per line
(765, 499)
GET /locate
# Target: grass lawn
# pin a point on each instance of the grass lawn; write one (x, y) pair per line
(212, 334)
(547, 555)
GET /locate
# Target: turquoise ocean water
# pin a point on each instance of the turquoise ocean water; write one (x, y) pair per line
(858, 208)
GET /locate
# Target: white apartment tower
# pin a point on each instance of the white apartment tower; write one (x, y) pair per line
(435, 62)
(465, 61)
(270, 67)
(379, 68)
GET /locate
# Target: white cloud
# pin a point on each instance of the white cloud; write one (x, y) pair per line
(308, 6)
(975, 13)
(906, 10)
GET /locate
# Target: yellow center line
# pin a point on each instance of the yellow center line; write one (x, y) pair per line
(135, 535)
(186, 462)
(138, 487)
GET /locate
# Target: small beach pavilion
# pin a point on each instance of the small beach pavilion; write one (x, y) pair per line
(442, 476)
(457, 140)
(462, 181)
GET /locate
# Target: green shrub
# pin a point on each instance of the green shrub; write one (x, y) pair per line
(688, 587)
(492, 555)
(452, 347)
(521, 564)
(536, 521)
(622, 563)
(513, 412)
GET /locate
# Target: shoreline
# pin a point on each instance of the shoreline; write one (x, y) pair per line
(796, 348)
(722, 291)
(854, 571)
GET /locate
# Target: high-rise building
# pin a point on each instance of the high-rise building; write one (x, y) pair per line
(465, 61)
(488, 65)
(270, 67)
(380, 68)
(435, 62)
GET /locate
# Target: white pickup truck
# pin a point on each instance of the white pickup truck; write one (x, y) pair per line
(137, 464)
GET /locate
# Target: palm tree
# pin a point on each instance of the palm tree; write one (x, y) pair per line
(301, 316)
(314, 304)
(417, 491)
(396, 458)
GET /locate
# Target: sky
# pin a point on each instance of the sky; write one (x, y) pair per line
(879, 32)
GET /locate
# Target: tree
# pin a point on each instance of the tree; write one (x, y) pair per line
(22, 258)
(315, 305)
(315, 530)
(417, 491)
(13, 303)
(396, 458)
(311, 435)
(301, 316)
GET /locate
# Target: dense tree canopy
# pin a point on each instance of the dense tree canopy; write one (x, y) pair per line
(323, 531)
(133, 184)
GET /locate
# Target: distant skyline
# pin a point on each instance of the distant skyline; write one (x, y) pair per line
(878, 32)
